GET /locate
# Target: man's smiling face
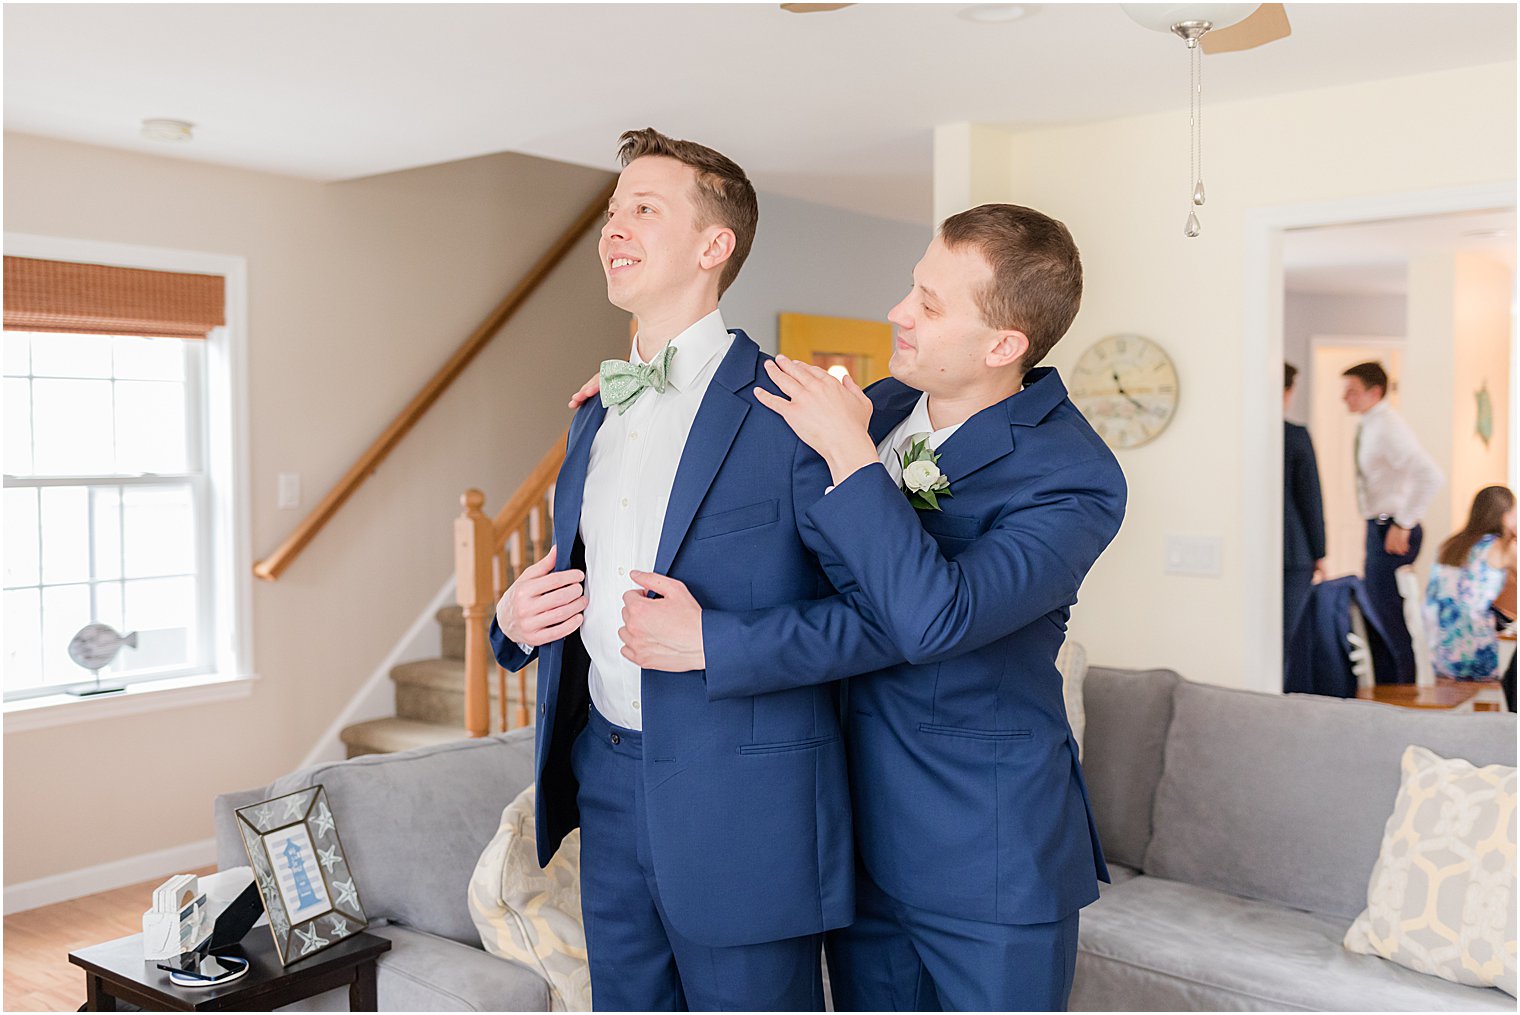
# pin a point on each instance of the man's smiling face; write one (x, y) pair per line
(651, 244)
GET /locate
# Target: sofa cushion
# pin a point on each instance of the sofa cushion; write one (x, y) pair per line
(422, 972)
(532, 915)
(1284, 798)
(1128, 713)
(1442, 896)
(413, 823)
(1155, 945)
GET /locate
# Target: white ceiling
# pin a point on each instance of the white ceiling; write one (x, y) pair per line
(1372, 258)
(835, 108)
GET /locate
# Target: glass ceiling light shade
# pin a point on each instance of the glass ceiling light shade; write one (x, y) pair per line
(1161, 17)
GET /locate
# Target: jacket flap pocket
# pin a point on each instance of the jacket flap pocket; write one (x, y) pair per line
(723, 522)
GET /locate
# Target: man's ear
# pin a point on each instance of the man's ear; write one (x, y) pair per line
(719, 248)
(1009, 348)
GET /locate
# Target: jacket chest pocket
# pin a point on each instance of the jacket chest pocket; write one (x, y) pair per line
(722, 523)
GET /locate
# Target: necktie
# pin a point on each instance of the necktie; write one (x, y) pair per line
(623, 382)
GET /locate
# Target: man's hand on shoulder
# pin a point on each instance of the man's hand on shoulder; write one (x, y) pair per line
(588, 391)
(664, 633)
(542, 605)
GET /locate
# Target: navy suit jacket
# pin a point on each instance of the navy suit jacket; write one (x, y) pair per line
(969, 799)
(747, 799)
(1303, 509)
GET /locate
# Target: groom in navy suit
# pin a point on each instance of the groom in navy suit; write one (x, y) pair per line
(969, 500)
(715, 834)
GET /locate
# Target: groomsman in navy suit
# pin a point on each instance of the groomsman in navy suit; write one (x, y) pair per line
(715, 834)
(969, 500)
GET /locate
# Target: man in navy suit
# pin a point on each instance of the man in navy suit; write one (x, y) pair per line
(1303, 524)
(975, 841)
(715, 834)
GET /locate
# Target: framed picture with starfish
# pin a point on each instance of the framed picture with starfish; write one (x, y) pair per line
(302, 873)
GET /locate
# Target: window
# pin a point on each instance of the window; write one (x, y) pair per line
(120, 463)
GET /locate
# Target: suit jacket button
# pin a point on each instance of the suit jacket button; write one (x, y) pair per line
(616, 739)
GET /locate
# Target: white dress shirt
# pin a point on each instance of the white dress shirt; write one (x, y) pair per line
(916, 424)
(1394, 475)
(633, 466)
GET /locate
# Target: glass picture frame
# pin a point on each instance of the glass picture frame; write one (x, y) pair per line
(302, 872)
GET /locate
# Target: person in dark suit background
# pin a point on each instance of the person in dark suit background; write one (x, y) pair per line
(1303, 521)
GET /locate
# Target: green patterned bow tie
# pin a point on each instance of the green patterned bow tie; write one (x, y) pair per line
(623, 382)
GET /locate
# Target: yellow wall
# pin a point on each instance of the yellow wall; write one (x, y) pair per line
(357, 292)
(1121, 187)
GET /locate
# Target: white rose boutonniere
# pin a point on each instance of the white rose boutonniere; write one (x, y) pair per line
(921, 479)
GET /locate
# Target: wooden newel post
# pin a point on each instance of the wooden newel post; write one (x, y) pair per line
(474, 540)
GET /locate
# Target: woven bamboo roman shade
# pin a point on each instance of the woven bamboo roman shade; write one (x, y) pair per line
(99, 299)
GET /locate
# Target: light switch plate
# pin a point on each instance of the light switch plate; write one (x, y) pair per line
(288, 494)
(1196, 556)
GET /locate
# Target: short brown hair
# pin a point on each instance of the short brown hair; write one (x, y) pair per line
(724, 195)
(1371, 374)
(1036, 282)
(1289, 372)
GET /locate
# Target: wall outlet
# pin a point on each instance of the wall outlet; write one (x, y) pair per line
(1197, 556)
(288, 493)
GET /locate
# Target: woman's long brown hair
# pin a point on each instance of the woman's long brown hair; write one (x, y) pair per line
(1485, 519)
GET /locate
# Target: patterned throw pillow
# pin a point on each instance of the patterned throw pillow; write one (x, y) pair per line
(1072, 662)
(533, 916)
(1441, 899)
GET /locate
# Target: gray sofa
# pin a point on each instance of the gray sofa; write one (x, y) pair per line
(1240, 829)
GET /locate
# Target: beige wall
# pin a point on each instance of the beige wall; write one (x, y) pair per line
(357, 292)
(1121, 186)
(1483, 349)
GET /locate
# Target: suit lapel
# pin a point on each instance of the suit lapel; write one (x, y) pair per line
(989, 435)
(570, 486)
(712, 433)
(891, 401)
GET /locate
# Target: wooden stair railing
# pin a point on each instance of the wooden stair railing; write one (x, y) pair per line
(272, 566)
(489, 554)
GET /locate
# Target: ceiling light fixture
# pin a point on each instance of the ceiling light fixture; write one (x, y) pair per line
(159, 129)
(988, 14)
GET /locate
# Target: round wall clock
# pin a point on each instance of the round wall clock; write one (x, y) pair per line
(1126, 386)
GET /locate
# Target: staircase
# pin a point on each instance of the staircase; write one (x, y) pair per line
(430, 699)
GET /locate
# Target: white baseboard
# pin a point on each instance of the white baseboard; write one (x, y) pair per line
(106, 876)
(376, 699)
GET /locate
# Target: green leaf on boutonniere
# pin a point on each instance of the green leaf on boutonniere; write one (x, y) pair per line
(924, 485)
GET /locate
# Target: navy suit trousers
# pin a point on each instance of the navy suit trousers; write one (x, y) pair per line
(639, 962)
(1393, 662)
(897, 957)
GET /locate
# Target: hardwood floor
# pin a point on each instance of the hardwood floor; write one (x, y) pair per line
(38, 976)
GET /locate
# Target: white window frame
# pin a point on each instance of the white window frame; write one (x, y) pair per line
(227, 583)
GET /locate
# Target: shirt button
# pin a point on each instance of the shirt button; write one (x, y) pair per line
(625, 501)
(633, 436)
(616, 739)
(621, 571)
(540, 708)
(635, 704)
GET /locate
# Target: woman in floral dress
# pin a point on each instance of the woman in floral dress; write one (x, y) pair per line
(1468, 575)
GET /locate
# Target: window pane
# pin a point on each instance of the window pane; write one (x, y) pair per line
(71, 355)
(159, 531)
(108, 611)
(150, 426)
(65, 535)
(20, 538)
(18, 427)
(150, 359)
(162, 612)
(73, 427)
(23, 639)
(65, 610)
(17, 356)
(105, 521)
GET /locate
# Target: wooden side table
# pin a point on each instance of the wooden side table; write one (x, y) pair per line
(116, 971)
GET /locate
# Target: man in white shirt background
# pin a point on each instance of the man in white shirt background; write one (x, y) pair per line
(1395, 482)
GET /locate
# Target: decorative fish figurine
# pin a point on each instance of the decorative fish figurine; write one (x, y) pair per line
(97, 644)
